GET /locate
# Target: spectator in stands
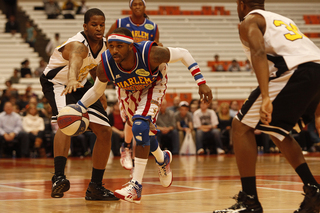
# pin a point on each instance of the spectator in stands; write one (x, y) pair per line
(39, 70)
(32, 124)
(234, 108)
(175, 107)
(10, 7)
(247, 65)
(13, 91)
(82, 9)
(205, 122)
(117, 126)
(68, 9)
(225, 121)
(214, 105)
(15, 78)
(184, 121)
(314, 137)
(52, 9)
(30, 34)
(263, 142)
(12, 26)
(218, 65)
(44, 139)
(25, 71)
(52, 44)
(11, 134)
(168, 136)
(234, 66)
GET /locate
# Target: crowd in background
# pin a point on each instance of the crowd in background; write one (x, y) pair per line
(25, 120)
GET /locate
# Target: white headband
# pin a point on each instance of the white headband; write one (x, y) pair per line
(144, 2)
(120, 38)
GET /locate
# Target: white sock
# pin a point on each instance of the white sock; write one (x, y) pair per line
(139, 167)
(158, 154)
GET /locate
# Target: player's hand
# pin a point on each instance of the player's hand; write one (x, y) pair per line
(205, 93)
(72, 86)
(317, 124)
(266, 111)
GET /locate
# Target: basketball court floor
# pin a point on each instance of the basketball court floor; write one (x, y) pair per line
(200, 184)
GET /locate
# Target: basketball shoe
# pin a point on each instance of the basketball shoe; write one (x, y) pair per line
(59, 185)
(131, 193)
(165, 174)
(245, 204)
(125, 159)
(96, 191)
(311, 202)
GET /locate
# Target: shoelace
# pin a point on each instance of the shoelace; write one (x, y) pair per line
(163, 170)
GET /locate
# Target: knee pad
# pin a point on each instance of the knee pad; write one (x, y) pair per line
(140, 131)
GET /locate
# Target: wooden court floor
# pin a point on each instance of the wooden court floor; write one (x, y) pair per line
(200, 184)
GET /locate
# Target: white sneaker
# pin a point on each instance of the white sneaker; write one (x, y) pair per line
(130, 193)
(125, 159)
(165, 174)
(220, 151)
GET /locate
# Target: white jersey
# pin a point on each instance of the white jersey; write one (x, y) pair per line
(286, 47)
(57, 69)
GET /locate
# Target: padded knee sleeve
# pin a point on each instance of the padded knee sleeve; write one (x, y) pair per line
(140, 131)
(153, 143)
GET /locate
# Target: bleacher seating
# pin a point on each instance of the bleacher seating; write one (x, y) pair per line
(203, 35)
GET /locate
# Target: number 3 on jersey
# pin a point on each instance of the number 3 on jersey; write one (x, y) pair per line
(292, 28)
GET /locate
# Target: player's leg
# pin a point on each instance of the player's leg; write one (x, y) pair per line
(132, 192)
(100, 126)
(291, 150)
(126, 149)
(61, 141)
(100, 156)
(61, 147)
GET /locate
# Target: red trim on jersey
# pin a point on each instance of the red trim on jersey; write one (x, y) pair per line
(149, 98)
(164, 92)
(105, 72)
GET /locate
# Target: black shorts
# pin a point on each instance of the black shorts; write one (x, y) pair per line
(294, 95)
(52, 92)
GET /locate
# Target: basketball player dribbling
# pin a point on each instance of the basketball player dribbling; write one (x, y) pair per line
(142, 29)
(140, 72)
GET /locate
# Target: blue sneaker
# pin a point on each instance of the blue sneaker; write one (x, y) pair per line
(130, 193)
(165, 174)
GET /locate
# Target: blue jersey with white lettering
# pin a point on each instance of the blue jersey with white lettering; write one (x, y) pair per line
(140, 77)
(143, 32)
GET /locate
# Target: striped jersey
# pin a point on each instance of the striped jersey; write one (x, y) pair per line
(285, 45)
(140, 76)
(58, 67)
(144, 32)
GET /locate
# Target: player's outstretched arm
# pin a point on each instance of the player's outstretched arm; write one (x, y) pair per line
(74, 52)
(159, 55)
(97, 90)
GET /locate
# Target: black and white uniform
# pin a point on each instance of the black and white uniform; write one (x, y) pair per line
(294, 76)
(55, 79)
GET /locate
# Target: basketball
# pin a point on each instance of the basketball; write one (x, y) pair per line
(73, 120)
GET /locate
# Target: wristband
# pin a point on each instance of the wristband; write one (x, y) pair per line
(196, 73)
(81, 104)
